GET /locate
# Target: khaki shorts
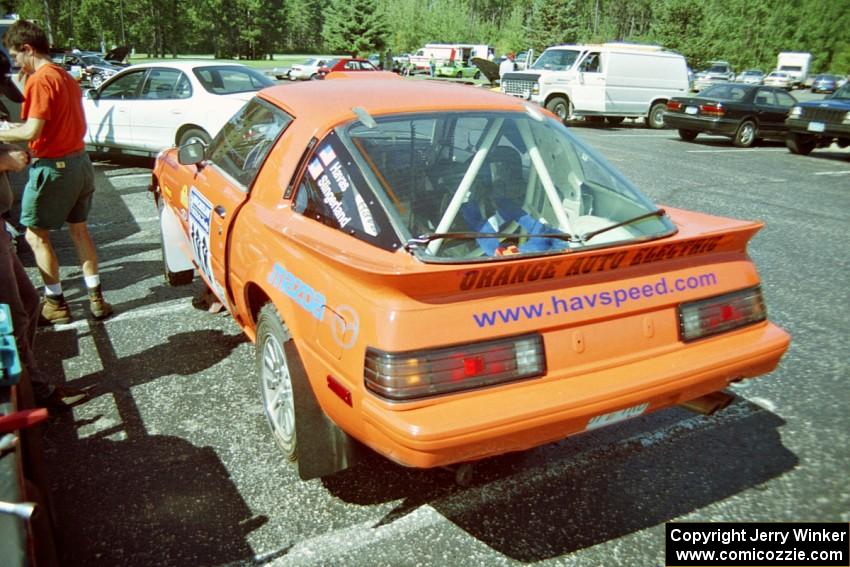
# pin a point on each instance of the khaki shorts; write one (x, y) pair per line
(58, 191)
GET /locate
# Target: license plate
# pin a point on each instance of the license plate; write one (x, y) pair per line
(816, 127)
(690, 110)
(615, 416)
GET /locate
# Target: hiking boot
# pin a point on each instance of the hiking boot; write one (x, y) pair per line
(62, 398)
(54, 311)
(98, 305)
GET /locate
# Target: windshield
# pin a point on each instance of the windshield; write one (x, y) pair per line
(556, 60)
(843, 93)
(508, 174)
(718, 69)
(229, 79)
(726, 91)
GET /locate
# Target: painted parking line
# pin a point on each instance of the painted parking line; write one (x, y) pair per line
(739, 150)
(842, 172)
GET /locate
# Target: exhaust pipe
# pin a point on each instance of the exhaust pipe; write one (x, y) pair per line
(709, 403)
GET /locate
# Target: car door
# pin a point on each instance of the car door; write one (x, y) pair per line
(588, 93)
(222, 185)
(771, 115)
(164, 100)
(109, 109)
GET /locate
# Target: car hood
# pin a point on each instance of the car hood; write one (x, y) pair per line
(830, 103)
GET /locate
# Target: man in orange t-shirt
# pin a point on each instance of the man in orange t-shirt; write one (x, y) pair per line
(61, 181)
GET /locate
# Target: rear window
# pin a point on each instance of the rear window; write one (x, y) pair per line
(231, 79)
(726, 92)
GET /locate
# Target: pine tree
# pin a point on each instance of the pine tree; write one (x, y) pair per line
(355, 26)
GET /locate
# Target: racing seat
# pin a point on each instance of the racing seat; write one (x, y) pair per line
(495, 204)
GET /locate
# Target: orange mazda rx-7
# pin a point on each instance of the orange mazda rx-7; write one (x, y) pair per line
(441, 274)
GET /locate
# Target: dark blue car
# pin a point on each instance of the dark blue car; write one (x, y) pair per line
(819, 123)
(824, 84)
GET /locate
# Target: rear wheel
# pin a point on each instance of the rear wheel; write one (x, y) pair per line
(477, 75)
(560, 106)
(276, 380)
(745, 136)
(194, 135)
(800, 144)
(96, 81)
(655, 118)
(687, 135)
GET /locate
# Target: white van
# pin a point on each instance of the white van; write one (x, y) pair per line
(442, 52)
(611, 81)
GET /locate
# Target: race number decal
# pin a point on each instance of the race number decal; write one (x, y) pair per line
(200, 210)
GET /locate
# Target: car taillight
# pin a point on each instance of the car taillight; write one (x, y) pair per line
(706, 317)
(712, 109)
(417, 374)
(674, 105)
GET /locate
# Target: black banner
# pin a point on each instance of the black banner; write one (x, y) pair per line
(757, 544)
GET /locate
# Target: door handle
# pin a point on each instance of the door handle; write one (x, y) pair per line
(220, 211)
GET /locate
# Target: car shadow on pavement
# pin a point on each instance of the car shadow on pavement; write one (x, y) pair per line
(123, 495)
(580, 492)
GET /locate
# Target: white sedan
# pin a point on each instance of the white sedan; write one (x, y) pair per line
(152, 106)
(779, 79)
(307, 70)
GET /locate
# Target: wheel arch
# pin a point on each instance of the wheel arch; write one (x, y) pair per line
(184, 128)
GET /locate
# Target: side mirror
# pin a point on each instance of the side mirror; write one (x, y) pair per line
(191, 153)
(92, 94)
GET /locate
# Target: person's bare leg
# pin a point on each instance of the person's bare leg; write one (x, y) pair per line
(45, 256)
(86, 252)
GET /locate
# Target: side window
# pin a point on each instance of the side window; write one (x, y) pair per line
(592, 63)
(123, 88)
(785, 100)
(161, 84)
(334, 193)
(765, 97)
(241, 147)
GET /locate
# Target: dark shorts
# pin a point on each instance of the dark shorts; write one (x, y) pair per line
(58, 191)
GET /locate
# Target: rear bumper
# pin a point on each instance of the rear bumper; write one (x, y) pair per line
(528, 414)
(719, 126)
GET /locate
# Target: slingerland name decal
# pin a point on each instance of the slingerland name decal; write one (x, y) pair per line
(510, 274)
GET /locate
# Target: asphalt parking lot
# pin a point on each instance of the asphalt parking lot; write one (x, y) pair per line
(170, 462)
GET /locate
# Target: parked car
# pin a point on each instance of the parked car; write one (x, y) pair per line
(717, 72)
(457, 70)
(745, 113)
(346, 64)
(819, 123)
(309, 69)
(825, 83)
(87, 66)
(439, 300)
(751, 77)
(152, 106)
(779, 79)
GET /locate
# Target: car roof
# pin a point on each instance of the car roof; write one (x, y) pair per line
(188, 64)
(330, 102)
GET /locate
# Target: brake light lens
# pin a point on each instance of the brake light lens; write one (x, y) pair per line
(706, 317)
(418, 374)
(674, 105)
(712, 110)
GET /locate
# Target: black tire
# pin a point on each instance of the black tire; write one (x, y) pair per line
(173, 279)
(477, 75)
(561, 107)
(746, 134)
(459, 75)
(275, 380)
(801, 144)
(194, 135)
(614, 120)
(96, 81)
(655, 118)
(687, 135)
(315, 77)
